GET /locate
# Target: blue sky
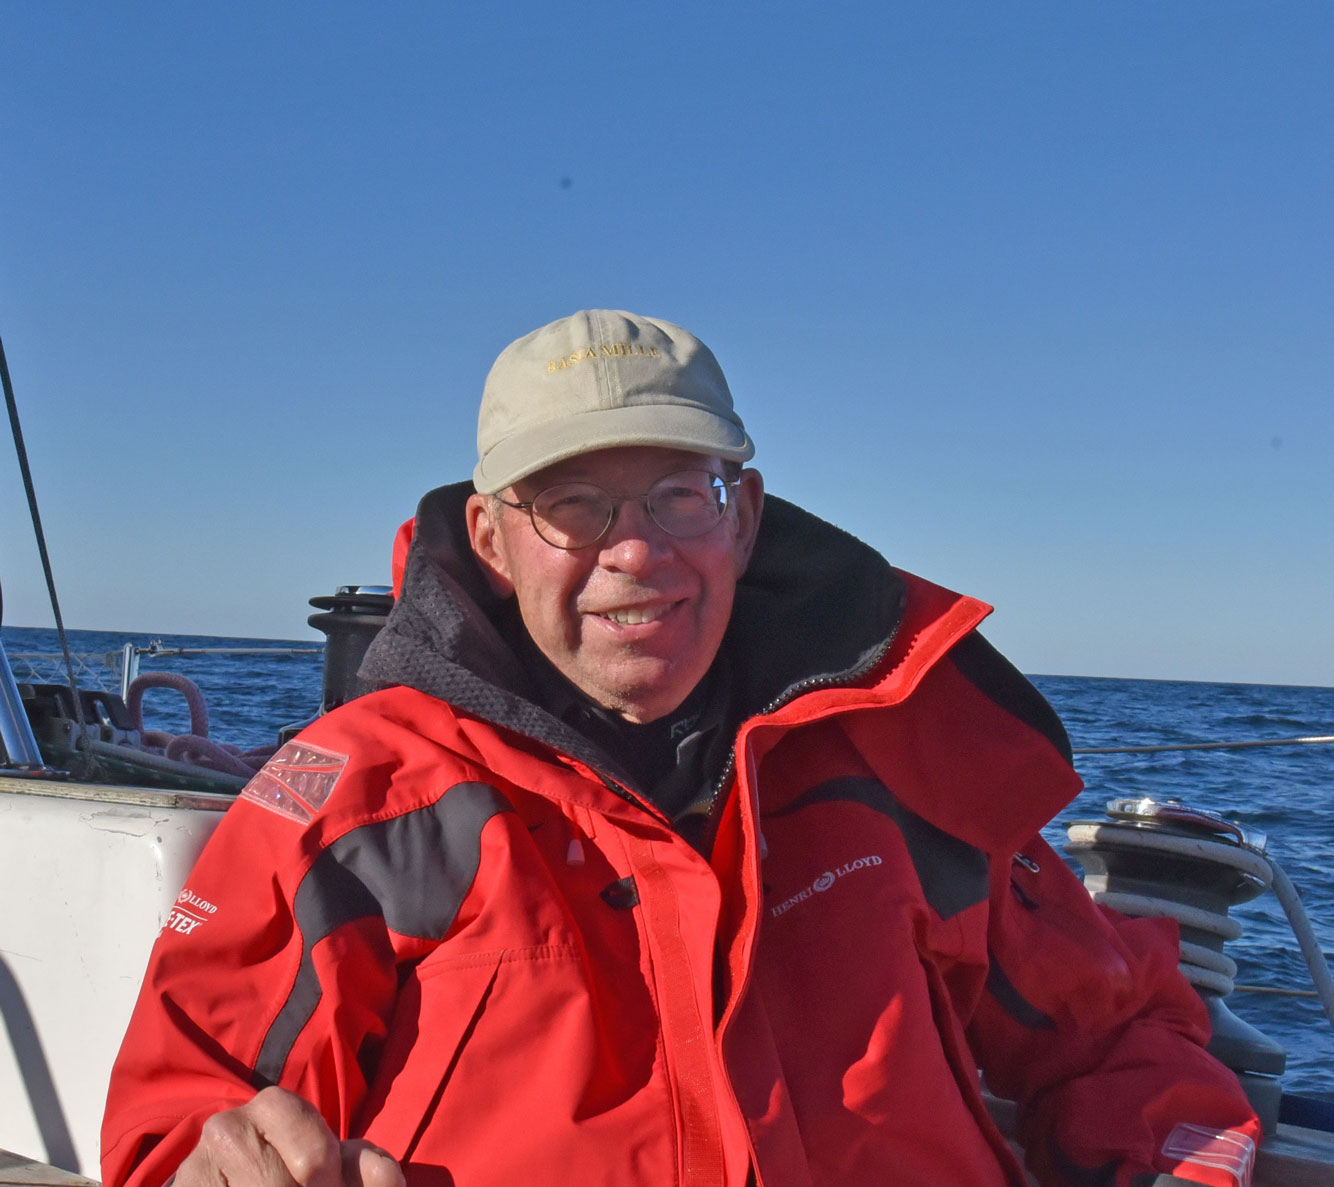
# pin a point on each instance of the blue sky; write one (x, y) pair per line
(1037, 298)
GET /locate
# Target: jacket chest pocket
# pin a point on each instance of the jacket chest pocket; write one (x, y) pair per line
(507, 1060)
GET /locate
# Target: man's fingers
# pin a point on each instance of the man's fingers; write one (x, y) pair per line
(276, 1139)
(294, 1129)
(232, 1151)
(365, 1165)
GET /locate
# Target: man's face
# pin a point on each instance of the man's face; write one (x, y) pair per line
(635, 620)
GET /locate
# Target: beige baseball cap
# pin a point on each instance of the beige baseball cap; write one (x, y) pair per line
(597, 379)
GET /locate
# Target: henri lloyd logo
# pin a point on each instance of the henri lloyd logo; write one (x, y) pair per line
(190, 911)
(609, 351)
(824, 882)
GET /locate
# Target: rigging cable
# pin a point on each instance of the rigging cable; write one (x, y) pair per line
(31, 491)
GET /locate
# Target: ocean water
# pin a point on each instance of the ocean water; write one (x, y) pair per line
(1286, 792)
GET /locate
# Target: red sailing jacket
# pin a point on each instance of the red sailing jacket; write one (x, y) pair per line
(471, 945)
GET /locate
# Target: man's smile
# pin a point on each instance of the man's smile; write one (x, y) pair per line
(635, 615)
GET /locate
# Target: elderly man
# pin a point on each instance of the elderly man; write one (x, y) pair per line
(682, 844)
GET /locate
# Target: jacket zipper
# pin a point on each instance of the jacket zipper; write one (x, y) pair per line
(810, 684)
(793, 691)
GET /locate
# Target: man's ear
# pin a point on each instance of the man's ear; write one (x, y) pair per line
(749, 506)
(488, 543)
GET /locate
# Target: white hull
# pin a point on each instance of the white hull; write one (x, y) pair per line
(88, 876)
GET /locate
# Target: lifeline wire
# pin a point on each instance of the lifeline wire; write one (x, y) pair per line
(31, 491)
(1315, 740)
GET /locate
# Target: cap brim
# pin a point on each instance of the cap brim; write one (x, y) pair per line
(693, 430)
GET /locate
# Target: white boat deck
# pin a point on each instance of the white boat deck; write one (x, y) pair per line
(15, 1169)
(1295, 1157)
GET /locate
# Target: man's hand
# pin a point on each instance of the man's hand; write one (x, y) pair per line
(280, 1140)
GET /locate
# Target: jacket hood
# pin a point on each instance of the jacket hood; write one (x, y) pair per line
(815, 604)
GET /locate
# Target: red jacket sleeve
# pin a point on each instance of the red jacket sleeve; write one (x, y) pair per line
(229, 961)
(1088, 1024)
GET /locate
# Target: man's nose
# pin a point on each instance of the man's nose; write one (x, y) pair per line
(634, 543)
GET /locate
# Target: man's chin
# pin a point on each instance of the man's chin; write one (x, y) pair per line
(645, 698)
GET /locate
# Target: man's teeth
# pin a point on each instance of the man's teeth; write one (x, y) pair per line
(636, 615)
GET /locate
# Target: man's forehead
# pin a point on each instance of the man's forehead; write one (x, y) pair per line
(644, 462)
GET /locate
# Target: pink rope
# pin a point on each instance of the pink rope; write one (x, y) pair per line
(134, 700)
(195, 747)
(203, 753)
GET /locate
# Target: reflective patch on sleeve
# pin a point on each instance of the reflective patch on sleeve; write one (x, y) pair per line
(297, 781)
(1223, 1149)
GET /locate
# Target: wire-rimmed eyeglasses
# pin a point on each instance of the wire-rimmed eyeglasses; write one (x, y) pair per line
(574, 515)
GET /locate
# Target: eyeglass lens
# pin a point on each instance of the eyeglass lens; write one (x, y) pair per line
(577, 514)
